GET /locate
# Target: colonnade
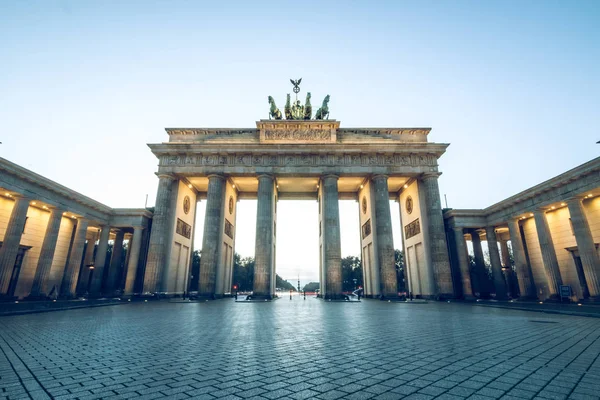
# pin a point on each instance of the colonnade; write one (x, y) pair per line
(211, 262)
(83, 256)
(541, 239)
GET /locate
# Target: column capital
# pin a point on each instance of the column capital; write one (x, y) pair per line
(330, 176)
(430, 175)
(574, 200)
(458, 229)
(166, 176)
(138, 227)
(265, 176)
(20, 196)
(216, 176)
(379, 176)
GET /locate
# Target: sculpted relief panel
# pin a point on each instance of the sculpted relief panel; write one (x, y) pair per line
(303, 134)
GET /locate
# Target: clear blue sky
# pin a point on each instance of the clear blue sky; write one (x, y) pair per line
(512, 85)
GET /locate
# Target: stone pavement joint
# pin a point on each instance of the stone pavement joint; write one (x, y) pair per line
(299, 350)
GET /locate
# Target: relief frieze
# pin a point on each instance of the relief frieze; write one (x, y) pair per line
(367, 160)
(209, 132)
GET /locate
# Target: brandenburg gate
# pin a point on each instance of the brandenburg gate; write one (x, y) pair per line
(298, 158)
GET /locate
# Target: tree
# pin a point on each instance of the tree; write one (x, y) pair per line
(195, 270)
(285, 285)
(352, 275)
(311, 287)
(400, 270)
(243, 272)
(243, 275)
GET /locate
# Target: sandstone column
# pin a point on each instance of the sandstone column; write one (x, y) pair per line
(12, 239)
(587, 249)
(264, 253)
(504, 253)
(213, 234)
(463, 263)
(69, 281)
(497, 274)
(99, 262)
(524, 275)
(82, 283)
(548, 253)
(385, 240)
(436, 236)
(332, 251)
(134, 255)
(508, 272)
(158, 236)
(115, 263)
(42, 271)
(480, 269)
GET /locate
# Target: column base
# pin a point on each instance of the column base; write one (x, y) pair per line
(469, 298)
(5, 298)
(554, 298)
(393, 298)
(527, 298)
(40, 297)
(445, 296)
(260, 297)
(336, 297)
(592, 299)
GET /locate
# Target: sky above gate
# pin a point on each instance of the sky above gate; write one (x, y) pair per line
(512, 85)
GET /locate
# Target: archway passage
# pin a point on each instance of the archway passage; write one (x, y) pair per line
(313, 160)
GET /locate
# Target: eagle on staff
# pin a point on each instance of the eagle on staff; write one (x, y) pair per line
(296, 84)
(295, 110)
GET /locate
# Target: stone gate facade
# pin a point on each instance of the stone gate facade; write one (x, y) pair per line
(292, 159)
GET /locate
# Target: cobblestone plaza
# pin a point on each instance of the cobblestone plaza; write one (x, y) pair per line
(299, 349)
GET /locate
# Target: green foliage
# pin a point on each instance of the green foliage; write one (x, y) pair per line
(243, 275)
(195, 275)
(285, 285)
(352, 274)
(311, 287)
(400, 270)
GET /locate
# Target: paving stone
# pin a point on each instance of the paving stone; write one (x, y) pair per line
(160, 350)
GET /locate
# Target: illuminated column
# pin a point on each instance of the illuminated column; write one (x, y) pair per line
(213, 233)
(264, 254)
(548, 253)
(12, 239)
(115, 263)
(497, 275)
(480, 270)
(508, 272)
(71, 273)
(159, 235)
(99, 262)
(385, 240)
(524, 275)
(84, 275)
(134, 255)
(332, 252)
(586, 247)
(42, 271)
(436, 236)
(463, 263)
